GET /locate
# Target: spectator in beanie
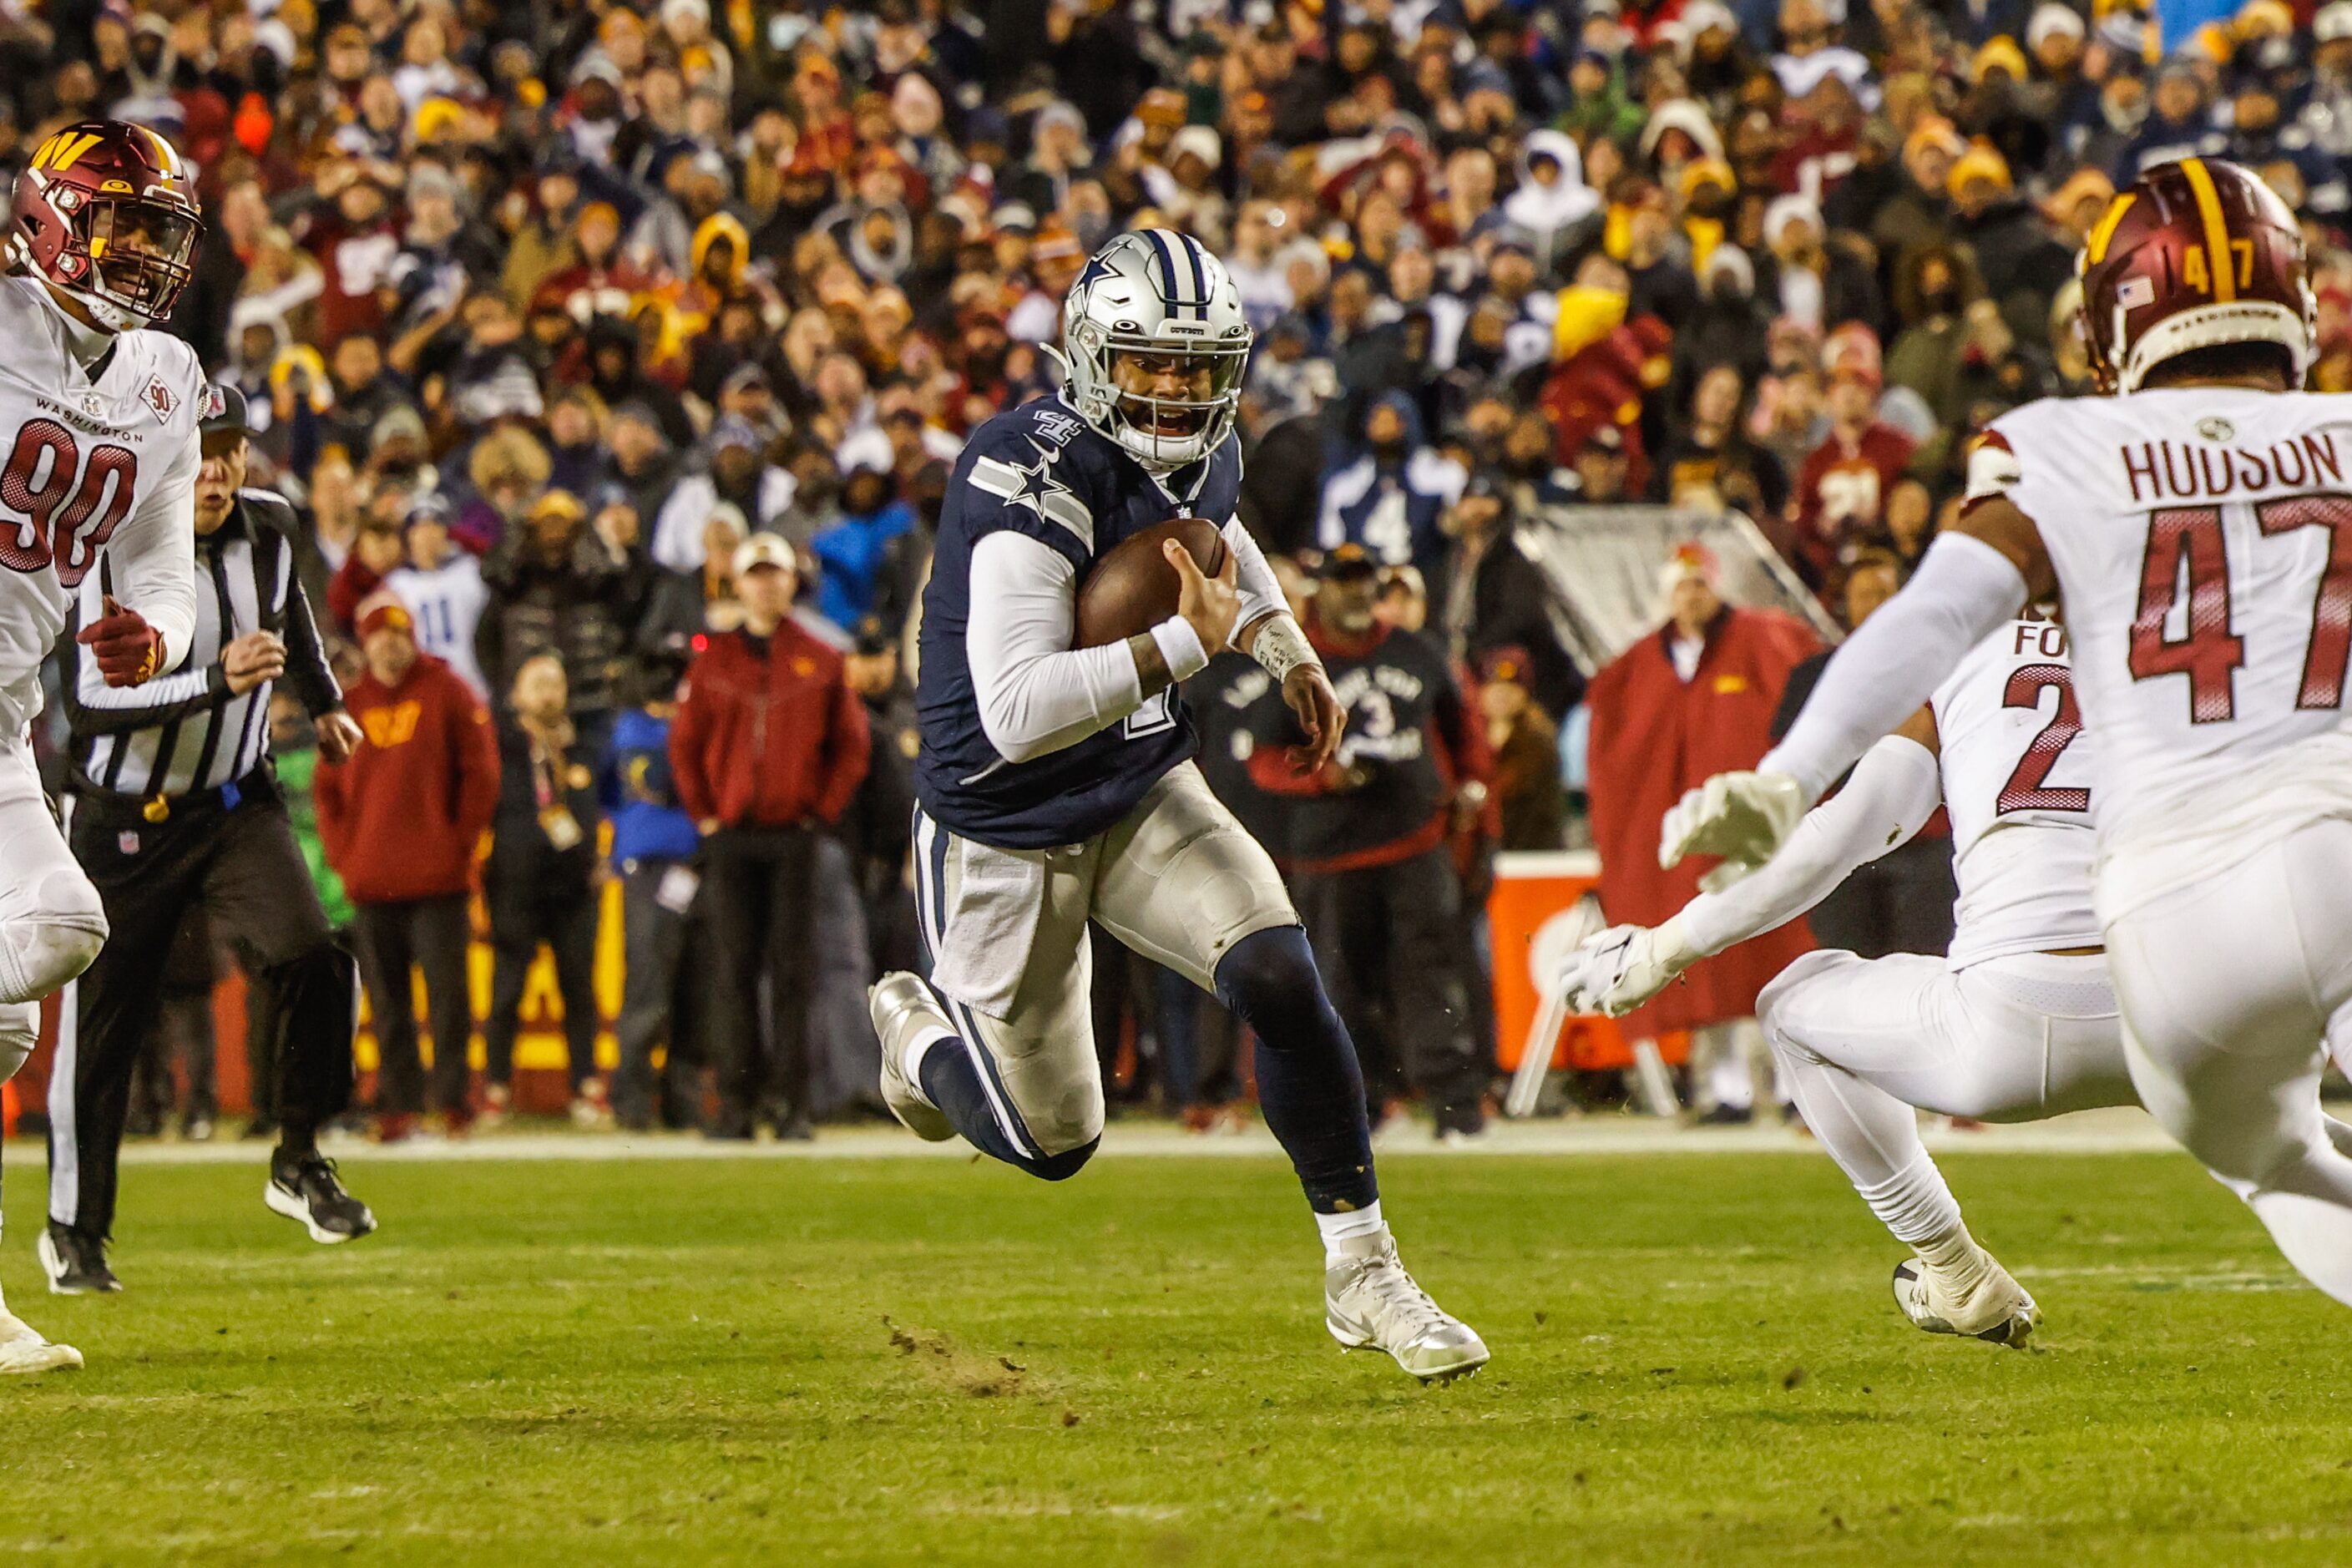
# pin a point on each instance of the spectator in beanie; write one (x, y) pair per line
(401, 822)
(767, 749)
(441, 588)
(1842, 486)
(1801, 277)
(739, 474)
(559, 586)
(540, 882)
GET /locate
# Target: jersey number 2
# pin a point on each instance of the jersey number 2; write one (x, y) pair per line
(2187, 543)
(56, 494)
(2025, 790)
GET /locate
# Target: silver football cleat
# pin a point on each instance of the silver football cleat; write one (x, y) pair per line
(1996, 1309)
(905, 1012)
(1369, 1299)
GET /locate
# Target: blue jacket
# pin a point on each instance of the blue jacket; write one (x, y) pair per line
(639, 797)
(851, 553)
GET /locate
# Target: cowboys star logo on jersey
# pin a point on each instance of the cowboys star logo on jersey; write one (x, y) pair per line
(1034, 486)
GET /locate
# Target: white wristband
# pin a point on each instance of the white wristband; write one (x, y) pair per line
(1282, 648)
(1180, 647)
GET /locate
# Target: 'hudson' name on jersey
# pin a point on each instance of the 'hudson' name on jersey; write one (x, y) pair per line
(2159, 472)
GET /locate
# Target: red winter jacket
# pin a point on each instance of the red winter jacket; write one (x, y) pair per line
(401, 820)
(767, 741)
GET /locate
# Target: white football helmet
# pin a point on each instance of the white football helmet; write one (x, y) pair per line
(1157, 301)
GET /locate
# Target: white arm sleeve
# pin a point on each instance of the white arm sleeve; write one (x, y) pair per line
(1261, 590)
(1893, 791)
(1038, 694)
(151, 557)
(1886, 671)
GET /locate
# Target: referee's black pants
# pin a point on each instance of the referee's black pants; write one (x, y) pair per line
(237, 859)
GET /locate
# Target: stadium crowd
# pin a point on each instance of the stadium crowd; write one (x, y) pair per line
(617, 358)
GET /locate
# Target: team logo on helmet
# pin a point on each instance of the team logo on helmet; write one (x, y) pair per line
(1156, 346)
(106, 212)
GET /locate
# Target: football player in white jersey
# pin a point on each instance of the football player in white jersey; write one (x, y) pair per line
(2197, 527)
(98, 455)
(2017, 1023)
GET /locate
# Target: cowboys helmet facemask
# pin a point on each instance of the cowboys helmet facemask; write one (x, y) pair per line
(1156, 293)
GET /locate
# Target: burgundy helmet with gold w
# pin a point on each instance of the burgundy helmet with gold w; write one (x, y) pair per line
(2194, 255)
(107, 211)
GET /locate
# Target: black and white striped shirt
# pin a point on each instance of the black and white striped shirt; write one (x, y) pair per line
(187, 730)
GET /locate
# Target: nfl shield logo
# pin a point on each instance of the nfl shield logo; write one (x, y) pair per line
(126, 841)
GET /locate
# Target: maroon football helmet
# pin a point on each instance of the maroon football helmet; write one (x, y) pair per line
(106, 213)
(2195, 254)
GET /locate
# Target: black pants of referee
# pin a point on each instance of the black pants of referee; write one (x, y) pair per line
(1385, 938)
(238, 860)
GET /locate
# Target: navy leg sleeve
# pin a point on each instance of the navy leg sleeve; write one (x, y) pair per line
(953, 1083)
(1308, 1079)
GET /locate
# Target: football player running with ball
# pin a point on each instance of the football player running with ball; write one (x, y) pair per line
(2197, 527)
(1055, 784)
(97, 416)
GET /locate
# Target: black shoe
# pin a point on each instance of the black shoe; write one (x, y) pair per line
(75, 1263)
(795, 1130)
(306, 1187)
(258, 1129)
(1726, 1116)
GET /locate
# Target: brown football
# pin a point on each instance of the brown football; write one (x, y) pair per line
(1134, 588)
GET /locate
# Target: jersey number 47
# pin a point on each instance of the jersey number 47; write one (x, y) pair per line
(2187, 554)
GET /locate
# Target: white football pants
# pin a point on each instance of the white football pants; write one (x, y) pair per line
(1861, 1041)
(2228, 986)
(51, 923)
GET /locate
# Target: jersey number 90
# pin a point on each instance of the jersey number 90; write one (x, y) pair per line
(65, 506)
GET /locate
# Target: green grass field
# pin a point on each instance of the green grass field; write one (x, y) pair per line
(902, 1360)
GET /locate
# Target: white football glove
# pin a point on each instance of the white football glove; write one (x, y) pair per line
(1615, 971)
(1740, 816)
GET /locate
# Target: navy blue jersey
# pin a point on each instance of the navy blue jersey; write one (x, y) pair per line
(1041, 470)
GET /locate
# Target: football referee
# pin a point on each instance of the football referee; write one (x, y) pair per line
(174, 806)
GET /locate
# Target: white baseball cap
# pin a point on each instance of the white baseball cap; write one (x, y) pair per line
(766, 550)
(2051, 18)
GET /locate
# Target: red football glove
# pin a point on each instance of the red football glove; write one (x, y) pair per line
(128, 650)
